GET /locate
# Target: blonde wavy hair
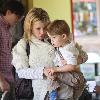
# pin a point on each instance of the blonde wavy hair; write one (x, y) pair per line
(35, 14)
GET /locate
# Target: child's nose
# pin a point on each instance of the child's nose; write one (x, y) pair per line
(42, 31)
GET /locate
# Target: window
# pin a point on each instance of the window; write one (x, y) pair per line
(84, 17)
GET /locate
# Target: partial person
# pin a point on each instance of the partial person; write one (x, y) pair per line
(10, 15)
(66, 58)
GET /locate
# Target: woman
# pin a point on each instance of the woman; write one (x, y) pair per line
(41, 52)
(41, 55)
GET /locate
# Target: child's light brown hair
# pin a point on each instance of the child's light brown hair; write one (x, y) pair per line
(58, 27)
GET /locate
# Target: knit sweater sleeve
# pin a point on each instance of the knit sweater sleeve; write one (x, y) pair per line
(20, 62)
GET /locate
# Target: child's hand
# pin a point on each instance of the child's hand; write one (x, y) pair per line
(51, 77)
(52, 70)
(47, 72)
(50, 73)
(63, 62)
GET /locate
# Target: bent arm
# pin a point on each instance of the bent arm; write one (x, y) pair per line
(20, 62)
(71, 62)
(30, 73)
(66, 68)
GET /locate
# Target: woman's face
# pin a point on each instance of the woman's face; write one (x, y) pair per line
(38, 30)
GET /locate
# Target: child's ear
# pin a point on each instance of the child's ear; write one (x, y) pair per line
(64, 36)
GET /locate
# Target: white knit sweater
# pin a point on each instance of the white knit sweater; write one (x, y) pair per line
(41, 55)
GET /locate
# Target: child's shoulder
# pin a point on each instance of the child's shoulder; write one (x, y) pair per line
(70, 46)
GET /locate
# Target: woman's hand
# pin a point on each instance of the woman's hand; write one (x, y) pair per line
(52, 70)
(45, 72)
(49, 72)
(79, 59)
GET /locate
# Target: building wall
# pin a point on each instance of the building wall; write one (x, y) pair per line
(30, 4)
(57, 9)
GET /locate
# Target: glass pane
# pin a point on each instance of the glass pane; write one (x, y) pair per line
(88, 71)
(85, 21)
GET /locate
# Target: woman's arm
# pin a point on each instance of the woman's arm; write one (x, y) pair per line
(30, 73)
(20, 62)
(82, 57)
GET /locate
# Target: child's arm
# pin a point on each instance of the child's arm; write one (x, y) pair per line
(65, 68)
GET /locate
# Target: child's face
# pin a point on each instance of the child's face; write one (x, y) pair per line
(58, 40)
(38, 30)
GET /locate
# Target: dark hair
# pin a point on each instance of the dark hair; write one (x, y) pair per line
(15, 7)
(58, 27)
